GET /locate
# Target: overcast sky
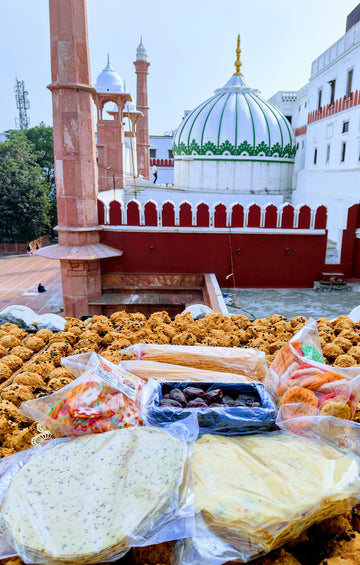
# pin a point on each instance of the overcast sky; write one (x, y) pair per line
(191, 47)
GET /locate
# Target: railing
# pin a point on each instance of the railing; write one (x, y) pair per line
(339, 105)
(14, 248)
(162, 162)
(202, 215)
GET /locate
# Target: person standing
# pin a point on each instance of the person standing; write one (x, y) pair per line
(28, 249)
(154, 172)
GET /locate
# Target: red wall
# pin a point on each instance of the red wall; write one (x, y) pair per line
(260, 260)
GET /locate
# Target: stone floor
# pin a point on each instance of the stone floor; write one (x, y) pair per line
(19, 278)
(328, 302)
(20, 275)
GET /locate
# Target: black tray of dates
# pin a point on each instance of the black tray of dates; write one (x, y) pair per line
(221, 408)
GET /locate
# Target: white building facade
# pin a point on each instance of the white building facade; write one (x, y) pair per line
(161, 156)
(326, 121)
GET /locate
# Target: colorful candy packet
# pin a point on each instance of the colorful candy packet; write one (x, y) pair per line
(104, 398)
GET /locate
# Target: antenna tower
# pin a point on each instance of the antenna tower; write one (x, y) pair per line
(22, 104)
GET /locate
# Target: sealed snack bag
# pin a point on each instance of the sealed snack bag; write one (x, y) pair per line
(90, 499)
(303, 386)
(104, 398)
(255, 493)
(241, 361)
(168, 372)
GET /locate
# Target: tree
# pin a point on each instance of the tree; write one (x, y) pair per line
(41, 138)
(24, 194)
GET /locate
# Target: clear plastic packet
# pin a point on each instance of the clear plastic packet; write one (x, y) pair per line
(105, 397)
(76, 364)
(90, 499)
(220, 408)
(242, 361)
(342, 434)
(303, 386)
(168, 372)
(255, 493)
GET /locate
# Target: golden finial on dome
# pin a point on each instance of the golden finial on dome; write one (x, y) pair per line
(238, 63)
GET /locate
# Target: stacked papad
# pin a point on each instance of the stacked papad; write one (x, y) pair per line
(256, 492)
(92, 498)
(239, 360)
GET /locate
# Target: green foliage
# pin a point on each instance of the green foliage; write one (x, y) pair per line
(41, 138)
(24, 193)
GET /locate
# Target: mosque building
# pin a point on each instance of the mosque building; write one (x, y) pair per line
(233, 144)
(235, 141)
(225, 220)
(326, 121)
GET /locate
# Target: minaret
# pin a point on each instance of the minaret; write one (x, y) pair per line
(79, 249)
(110, 132)
(142, 127)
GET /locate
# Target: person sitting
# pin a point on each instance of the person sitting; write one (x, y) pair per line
(41, 288)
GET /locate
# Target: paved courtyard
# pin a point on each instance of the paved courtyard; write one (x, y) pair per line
(329, 302)
(21, 274)
(19, 278)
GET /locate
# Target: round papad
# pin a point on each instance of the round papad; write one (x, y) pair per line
(91, 498)
(258, 492)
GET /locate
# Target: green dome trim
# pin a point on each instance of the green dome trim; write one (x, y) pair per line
(235, 121)
(287, 152)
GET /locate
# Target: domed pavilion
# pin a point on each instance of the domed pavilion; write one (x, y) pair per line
(235, 141)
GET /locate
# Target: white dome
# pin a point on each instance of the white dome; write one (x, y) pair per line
(141, 53)
(109, 80)
(235, 121)
(235, 141)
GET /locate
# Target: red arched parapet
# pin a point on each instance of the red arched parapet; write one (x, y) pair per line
(304, 217)
(254, 216)
(271, 214)
(101, 212)
(220, 216)
(287, 218)
(161, 162)
(237, 216)
(356, 98)
(168, 214)
(115, 213)
(133, 214)
(320, 218)
(202, 216)
(185, 215)
(150, 213)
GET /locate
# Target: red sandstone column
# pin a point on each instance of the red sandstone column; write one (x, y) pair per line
(142, 126)
(74, 157)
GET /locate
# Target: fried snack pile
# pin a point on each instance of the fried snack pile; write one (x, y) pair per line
(30, 367)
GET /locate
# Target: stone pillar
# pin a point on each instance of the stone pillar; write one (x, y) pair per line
(74, 158)
(142, 126)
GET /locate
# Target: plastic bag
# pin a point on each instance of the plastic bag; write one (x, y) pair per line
(248, 362)
(105, 397)
(255, 493)
(90, 499)
(168, 372)
(342, 434)
(303, 386)
(248, 407)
